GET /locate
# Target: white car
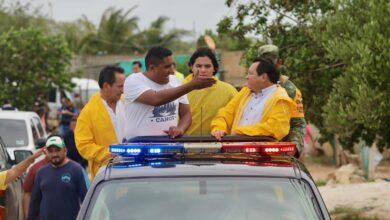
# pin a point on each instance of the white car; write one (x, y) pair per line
(21, 131)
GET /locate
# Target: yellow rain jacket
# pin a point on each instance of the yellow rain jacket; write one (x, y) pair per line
(275, 121)
(205, 103)
(94, 134)
(3, 176)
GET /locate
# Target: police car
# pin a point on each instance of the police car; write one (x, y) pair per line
(198, 178)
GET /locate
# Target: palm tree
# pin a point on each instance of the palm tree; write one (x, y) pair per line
(79, 35)
(155, 36)
(116, 31)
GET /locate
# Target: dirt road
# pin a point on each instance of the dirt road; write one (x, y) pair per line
(372, 198)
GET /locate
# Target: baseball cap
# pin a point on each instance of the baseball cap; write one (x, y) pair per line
(55, 141)
(269, 51)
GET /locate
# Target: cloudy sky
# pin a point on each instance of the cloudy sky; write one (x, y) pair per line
(187, 14)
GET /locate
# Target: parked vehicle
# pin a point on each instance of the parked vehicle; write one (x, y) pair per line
(21, 131)
(11, 198)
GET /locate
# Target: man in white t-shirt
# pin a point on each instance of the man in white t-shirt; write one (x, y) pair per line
(155, 101)
(137, 67)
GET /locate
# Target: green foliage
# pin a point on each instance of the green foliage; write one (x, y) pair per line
(349, 213)
(359, 105)
(183, 67)
(156, 36)
(320, 183)
(117, 32)
(17, 17)
(80, 35)
(336, 52)
(32, 63)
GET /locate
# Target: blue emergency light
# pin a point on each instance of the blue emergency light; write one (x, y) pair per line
(140, 150)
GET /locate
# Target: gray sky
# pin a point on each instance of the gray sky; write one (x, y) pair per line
(186, 14)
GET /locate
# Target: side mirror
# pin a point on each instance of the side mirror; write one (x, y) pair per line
(20, 155)
(41, 142)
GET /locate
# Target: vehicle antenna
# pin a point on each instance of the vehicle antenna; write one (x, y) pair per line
(201, 121)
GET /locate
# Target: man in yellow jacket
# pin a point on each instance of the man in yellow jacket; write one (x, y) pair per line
(261, 109)
(297, 122)
(205, 103)
(96, 126)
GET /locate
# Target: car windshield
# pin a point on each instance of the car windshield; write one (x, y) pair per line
(13, 132)
(203, 198)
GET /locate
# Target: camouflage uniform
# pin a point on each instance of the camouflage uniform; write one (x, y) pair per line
(297, 122)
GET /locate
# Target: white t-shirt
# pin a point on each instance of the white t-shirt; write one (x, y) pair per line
(141, 119)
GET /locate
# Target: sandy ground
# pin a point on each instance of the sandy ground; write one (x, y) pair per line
(373, 198)
(320, 172)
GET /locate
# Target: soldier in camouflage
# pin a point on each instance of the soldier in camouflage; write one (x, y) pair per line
(297, 123)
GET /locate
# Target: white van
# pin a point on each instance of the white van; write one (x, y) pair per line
(84, 87)
(21, 131)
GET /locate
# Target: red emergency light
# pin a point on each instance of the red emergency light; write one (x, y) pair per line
(264, 148)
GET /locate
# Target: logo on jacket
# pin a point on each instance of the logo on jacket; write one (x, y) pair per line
(66, 177)
(165, 112)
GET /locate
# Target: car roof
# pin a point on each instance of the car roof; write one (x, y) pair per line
(261, 167)
(17, 114)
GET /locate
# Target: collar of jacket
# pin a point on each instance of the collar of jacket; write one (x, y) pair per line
(279, 94)
(98, 105)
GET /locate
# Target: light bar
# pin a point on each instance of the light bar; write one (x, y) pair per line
(203, 147)
(264, 148)
(156, 150)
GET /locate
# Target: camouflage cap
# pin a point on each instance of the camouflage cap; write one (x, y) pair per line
(269, 51)
(268, 48)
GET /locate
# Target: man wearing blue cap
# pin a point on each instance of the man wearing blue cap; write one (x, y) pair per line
(59, 187)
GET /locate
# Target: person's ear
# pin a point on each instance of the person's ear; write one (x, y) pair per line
(152, 67)
(106, 85)
(264, 77)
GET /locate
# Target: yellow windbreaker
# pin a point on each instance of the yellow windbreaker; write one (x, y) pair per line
(205, 103)
(3, 177)
(94, 134)
(275, 121)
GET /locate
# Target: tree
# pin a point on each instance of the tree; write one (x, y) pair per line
(337, 52)
(116, 31)
(80, 35)
(156, 36)
(19, 16)
(357, 36)
(31, 64)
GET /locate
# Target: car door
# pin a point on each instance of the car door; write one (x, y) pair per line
(11, 198)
